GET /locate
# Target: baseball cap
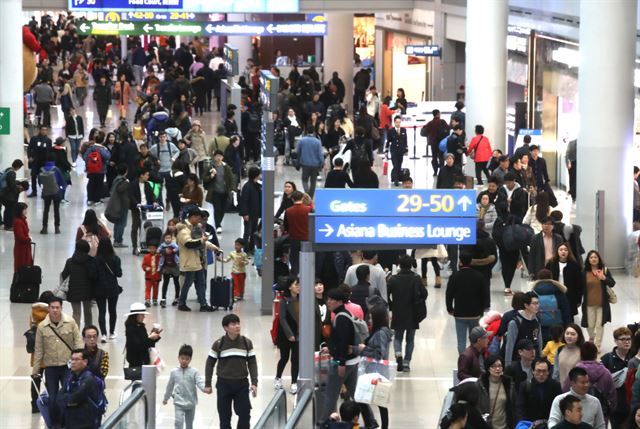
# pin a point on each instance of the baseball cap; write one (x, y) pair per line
(477, 333)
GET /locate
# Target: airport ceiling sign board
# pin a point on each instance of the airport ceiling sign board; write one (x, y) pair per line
(5, 121)
(423, 50)
(392, 218)
(266, 29)
(204, 6)
(157, 28)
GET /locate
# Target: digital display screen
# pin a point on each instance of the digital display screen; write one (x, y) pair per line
(206, 6)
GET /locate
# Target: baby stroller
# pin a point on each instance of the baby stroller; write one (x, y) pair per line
(152, 224)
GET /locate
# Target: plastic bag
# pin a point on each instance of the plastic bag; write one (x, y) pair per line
(375, 381)
(156, 360)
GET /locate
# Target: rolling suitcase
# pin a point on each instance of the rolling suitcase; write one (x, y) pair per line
(25, 287)
(221, 295)
(43, 404)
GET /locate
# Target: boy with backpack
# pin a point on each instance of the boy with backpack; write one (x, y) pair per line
(53, 184)
(524, 326)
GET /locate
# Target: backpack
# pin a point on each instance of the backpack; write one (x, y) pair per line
(360, 328)
(253, 123)
(94, 162)
(101, 403)
(628, 383)
(90, 238)
(30, 335)
(47, 179)
(604, 401)
(494, 345)
(357, 154)
(443, 144)
(3, 178)
(515, 236)
(549, 313)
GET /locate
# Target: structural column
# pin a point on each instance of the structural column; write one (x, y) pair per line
(603, 153)
(243, 43)
(338, 51)
(11, 145)
(486, 70)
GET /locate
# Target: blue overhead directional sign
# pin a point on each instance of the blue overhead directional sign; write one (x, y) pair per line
(266, 28)
(366, 218)
(219, 6)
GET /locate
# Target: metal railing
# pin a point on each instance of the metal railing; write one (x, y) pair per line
(131, 414)
(275, 415)
(303, 415)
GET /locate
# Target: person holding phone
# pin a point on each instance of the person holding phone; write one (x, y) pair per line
(596, 308)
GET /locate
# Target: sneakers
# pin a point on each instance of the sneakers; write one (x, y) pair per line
(219, 230)
(406, 367)
(119, 245)
(136, 251)
(424, 281)
(103, 339)
(147, 303)
(183, 308)
(277, 384)
(206, 309)
(163, 303)
(113, 336)
(399, 362)
(175, 302)
(294, 388)
(155, 302)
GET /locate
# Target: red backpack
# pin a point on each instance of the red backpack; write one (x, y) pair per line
(94, 162)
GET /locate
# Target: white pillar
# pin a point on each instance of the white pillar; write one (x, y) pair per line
(243, 43)
(124, 49)
(486, 70)
(11, 146)
(606, 89)
(338, 52)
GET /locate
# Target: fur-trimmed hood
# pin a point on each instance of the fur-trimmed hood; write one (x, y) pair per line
(544, 286)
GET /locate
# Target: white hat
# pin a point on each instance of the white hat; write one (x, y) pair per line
(137, 308)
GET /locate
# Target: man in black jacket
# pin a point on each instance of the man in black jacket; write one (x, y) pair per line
(74, 129)
(467, 298)
(534, 398)
(344, 364)
(543, 247)
(39, 146)
(521, 370)
(250, 207)
(9, 194)
(513, 199)
(140, 194)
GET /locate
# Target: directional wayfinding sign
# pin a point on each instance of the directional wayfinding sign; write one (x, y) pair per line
(393, 218)
(5, 121)
(186, 28)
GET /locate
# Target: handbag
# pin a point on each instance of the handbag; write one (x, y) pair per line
(132, 373)
(613, 298)
(420, 304)
(63, 288)
(472, 155)
(375, 133)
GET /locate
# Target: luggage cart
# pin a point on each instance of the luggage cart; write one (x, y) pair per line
(152, 221)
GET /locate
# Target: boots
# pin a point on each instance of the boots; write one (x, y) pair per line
(43, 230)
(438, 282)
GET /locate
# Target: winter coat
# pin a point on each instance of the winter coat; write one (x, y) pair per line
(104, 153)
(82, 273)
(485, 401)
(615, 363)
(138, 344)
(197, 141)
(108, 272)
(482, 147)
(470, 291)
(519, 202)
(77, 398)
(39, 310)
(49, 350)
(119, 199)
(13, 188)
(552, 287)
(530, 405)
(22, 256)
(208, 182)
(404, 288)
(573, 280)
(490, 216)
(606, 306)
(600, 378)
(536, 260)
(191, 250)
(134, 194)
(289, 321)
(250, 203)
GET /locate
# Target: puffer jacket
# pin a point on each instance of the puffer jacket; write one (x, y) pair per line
(82, 273)
(104, 153)
(192, 250)
(50, 351)
(39, 310)
(197, 142)
(552, 287)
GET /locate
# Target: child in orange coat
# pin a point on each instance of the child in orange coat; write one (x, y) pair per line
(152, 276)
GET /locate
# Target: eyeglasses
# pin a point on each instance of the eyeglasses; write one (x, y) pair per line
(496, 366)
(623, 339)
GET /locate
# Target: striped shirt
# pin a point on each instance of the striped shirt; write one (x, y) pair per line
(236, 360)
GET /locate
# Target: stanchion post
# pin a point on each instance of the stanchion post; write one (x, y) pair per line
(307, 316)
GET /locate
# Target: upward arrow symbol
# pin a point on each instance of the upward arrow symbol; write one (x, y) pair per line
(464, 202)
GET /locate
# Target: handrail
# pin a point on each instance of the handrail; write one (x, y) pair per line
(279, 399)
(300, 409)
(122, 410)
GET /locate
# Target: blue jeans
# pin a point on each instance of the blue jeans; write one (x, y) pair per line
(75, 148)
(398, 336)
(119, 226)
(201, 287)
(463, 329)
(54, 377)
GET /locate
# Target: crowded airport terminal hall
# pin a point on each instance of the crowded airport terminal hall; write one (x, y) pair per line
(319, 214)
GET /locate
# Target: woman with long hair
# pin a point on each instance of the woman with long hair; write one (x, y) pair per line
(286, 201)
(138, 341)
(376, 346)
(192, 192)
(288, 338)
(568, 356)
(107, 289)
(565, 269)
(538, 212)
(596, 310)
(92, 230)
(22, 255)
(366, 177)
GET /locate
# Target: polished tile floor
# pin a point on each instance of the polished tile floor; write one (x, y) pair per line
(417, 396)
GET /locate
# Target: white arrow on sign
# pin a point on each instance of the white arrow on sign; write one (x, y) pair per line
(328, 230)
(270, 28)
(209, 28)
(147, 27)
(192, 15)
(131, 15)
(84, 27)
(464, 202)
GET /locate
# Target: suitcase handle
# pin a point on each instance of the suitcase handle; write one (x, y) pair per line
(215, 264)
(33, 253)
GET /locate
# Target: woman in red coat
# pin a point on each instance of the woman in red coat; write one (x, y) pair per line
(22, 240)
(482, 147)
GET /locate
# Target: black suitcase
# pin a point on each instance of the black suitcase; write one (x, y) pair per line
(25, 287)
(221, 295)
